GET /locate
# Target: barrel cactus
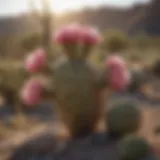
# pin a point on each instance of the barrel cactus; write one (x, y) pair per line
(123, 119)
(134, 148)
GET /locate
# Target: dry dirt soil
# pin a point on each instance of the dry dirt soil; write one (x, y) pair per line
(151, 118)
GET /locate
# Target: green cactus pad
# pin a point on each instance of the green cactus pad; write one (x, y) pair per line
(123, 118)
(76, 89)
(134, 148)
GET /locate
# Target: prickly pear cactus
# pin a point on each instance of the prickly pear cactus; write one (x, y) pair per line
(76, 88)
(123, 119)
(134, 148)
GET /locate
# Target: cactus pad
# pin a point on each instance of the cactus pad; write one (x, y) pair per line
(76, 89)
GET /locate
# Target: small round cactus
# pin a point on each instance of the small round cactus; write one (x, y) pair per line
(133, 147)
(123, 119)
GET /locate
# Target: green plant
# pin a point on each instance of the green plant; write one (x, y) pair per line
(30, 42)
(133, 148)
(75, 80)
(115, 41)
(75, 87)
(123, 119)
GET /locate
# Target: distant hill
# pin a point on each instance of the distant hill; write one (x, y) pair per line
(18, 25)
(133, 20)
(152, 23)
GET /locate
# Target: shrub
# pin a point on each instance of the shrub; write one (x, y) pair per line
(30, 42)
(115, 41)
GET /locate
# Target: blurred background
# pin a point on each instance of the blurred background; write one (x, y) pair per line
(129, 27)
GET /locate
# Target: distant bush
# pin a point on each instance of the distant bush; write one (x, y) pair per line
(30, 42)
(155, 42)
(11, 81)
(115, 41)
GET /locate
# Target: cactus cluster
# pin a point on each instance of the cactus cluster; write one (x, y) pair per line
(77, 84)
(123, 121)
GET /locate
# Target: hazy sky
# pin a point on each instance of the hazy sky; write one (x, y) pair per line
(15, 6)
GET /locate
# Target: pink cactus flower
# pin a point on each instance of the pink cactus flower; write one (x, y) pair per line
(78, 34)
(36, 61)
(31, 93)
(69, 34)
(90, 36)
(115, 61)
(119, 74)
(119, 79)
